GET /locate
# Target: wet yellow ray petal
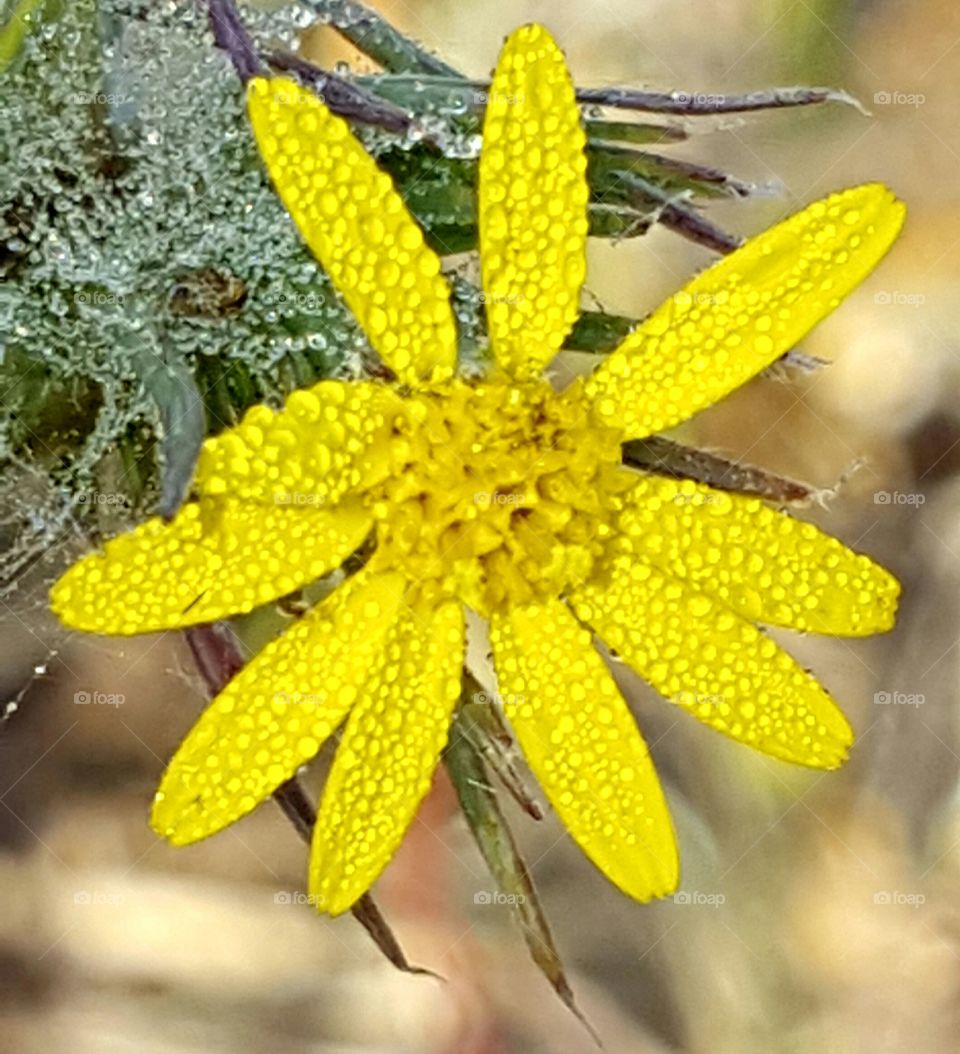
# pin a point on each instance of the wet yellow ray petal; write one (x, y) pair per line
(698, 654)
(762, 563)
(277, 712)
(218, 557)
(532, 202)
(581, 741)
(357, 226)
(745, 311)
(326, 441)
(386, 759)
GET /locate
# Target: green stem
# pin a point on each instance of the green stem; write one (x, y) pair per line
(377, 38)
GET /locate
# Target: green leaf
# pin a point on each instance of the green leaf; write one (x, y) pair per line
(670, 175)
(599, 332)
(182, 421)
(633, 132)
(465, 762)
(16, 28)
(377, 38)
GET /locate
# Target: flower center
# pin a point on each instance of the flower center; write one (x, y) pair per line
(501, 494)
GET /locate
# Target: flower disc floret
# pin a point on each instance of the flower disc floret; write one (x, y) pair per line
(501, 494)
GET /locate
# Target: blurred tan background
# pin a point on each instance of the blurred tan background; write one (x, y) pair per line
(818, 912)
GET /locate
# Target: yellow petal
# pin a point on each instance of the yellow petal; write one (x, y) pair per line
(581, 741)
(386, 759)
(532, 203)
(698, 654)
(277, 712)
(216, 558)
(762, 563)
(357, 226)
(743, 313)
(328, 440)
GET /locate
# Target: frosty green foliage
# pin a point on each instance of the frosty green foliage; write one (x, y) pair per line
(137, 232)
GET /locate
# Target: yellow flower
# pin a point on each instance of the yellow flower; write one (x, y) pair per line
(502, 496)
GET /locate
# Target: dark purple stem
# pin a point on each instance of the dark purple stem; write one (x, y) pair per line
(230, 34)
(341, 96)
(703, 104)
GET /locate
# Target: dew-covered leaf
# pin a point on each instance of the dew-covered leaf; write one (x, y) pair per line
(479, 717)
(182, 421)
(465, 763)
(13, 32)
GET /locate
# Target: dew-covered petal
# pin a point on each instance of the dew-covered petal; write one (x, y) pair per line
(762, 563)
(387, 756)
(532, 202)
(218, 557)
(744, 312)
(358, 227)
(699, 654)
(581, 741)
(277, 712)
(326, 441)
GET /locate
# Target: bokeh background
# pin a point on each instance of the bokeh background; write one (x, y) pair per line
(817, 912)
